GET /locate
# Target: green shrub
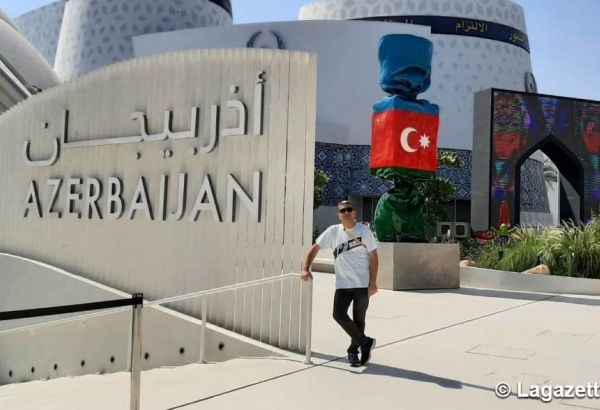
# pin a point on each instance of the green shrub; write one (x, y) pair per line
(573, 250)
(489, 256)
(551, 250)
(568, 250)
(470, 249)
(522, 251)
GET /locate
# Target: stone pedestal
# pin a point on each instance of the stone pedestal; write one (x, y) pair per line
(405, 266)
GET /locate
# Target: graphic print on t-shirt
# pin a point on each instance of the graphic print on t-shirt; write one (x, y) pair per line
(344, 247)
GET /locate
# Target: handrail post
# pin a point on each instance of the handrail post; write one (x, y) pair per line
(136, 350)
(203, 329)
(308, 359)
(130, 340)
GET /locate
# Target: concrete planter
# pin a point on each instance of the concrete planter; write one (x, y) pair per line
(473, 277)
(405, 266)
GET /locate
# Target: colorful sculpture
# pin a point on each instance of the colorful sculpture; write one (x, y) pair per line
(404, 137)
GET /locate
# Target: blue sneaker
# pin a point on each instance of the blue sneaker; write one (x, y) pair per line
(353, 359)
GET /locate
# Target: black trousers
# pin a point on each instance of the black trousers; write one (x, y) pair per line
(355, 327)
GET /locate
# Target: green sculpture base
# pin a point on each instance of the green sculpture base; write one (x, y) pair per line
(399, 215)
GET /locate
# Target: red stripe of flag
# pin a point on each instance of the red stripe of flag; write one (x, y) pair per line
(404, 139)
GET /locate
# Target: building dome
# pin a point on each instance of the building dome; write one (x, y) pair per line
(96, 33)
(477, 45)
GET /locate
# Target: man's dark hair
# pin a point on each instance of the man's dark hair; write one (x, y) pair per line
(345, 202)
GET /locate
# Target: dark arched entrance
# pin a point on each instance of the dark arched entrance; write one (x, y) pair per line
(571, 176)
(508, 127)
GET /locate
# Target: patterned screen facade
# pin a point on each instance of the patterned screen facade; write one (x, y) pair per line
(566, 130)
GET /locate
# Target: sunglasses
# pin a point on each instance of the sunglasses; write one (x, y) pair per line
(344, 210)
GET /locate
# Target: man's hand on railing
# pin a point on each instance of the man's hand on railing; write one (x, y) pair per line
(306, 275)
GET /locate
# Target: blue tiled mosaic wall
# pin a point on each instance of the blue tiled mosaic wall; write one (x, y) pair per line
(461, 178)
(348, 168)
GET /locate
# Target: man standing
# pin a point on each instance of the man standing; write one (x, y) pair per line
(355, 252)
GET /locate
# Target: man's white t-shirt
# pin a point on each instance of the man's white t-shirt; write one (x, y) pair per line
(351, 249)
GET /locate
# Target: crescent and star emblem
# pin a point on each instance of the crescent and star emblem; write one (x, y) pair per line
(424, 140)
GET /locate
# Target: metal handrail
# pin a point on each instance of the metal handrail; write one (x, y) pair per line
(205, 293)
(223, 289)
(136, 323)
(202, 294)
(153, 303)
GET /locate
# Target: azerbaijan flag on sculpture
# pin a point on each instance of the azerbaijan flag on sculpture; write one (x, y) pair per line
(404, 139)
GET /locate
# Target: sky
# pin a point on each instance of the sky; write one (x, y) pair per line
(564, 37)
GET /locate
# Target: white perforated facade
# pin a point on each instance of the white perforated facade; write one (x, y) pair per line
(79, 36)
(42, 28)
(499, 11)
(462, 64)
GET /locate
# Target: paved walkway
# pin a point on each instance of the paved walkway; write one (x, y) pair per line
(436, 350)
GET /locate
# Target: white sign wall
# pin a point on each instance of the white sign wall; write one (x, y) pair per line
(172, 174)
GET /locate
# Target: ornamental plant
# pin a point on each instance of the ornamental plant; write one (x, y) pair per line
(321, 181)
(568, 250)
(435, 192)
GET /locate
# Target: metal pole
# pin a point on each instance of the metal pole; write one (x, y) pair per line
(203, 330)
(309, 322)
(136, 351)
(130, 339)
(454, 225)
